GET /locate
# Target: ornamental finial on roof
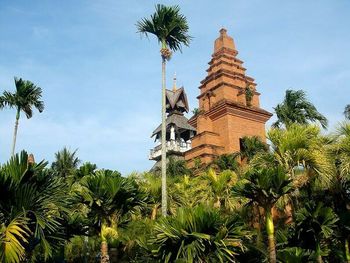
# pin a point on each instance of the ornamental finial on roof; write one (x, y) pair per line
(174, 83)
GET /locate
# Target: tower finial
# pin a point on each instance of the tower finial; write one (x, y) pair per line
(174, 83)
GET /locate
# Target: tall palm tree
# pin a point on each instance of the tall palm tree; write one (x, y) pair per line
(171, 29)
(295, 108)
(26, 97)
(265, 187)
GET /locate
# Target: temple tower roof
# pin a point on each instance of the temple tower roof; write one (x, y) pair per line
(224, 41)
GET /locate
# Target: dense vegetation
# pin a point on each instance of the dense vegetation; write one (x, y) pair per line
(287, 202)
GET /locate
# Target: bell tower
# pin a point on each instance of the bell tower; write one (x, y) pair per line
(229, 106)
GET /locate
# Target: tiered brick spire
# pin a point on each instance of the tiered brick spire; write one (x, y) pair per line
(228, 103)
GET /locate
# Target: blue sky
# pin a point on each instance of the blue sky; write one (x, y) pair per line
(101, 81)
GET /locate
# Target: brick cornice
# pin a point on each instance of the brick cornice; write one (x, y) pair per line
(205, 145)
(224, 83)
(231, 64)
(206, 132)
(228, 73)
(224, 107)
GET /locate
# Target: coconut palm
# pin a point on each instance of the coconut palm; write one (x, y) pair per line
(295, 108)
(26, 97)
(66, 162)
(171, 29)
(264, 187)
(198, 235)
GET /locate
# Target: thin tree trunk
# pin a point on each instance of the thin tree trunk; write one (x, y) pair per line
(154, 212)
(318, 253)
(347, 251)
(15, 133)
(104, 247)
(270, 229)
(104, 252)
(163, 161)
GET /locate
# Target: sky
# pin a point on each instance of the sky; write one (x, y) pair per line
(101, 80)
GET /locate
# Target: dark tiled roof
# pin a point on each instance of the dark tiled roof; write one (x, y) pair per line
(176, 100)
(179, 120)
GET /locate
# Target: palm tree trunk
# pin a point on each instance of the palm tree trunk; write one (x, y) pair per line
(163, 161)
(104, 252)
(318, 253)
(104, 247)
(15, 133)
(270, 229)
(347, 251)
(154, 212)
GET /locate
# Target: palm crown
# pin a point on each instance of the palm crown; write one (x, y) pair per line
(26, 96)
(295, 108)
(168, 25)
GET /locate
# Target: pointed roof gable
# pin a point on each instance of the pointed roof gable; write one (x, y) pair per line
(176, 100)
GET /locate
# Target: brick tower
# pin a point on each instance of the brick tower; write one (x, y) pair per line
(228, 106)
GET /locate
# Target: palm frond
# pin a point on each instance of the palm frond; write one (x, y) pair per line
(168, 25)
(12, 240)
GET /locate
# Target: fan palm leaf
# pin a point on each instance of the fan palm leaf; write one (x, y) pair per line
(12, 238)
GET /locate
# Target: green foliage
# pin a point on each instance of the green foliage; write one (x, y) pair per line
(79, 248)
(227, 162)
(264, 186)
(295, 108)
(251, 146)
(177, 167)
(65, 163)
(12, 238)
(26, 97)
(168, 25)
(294, 255)
(299, 147)
(315, 226)
(347, 111)
(220, 186)
(34, 203)
(249, 94)
(198, 235)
